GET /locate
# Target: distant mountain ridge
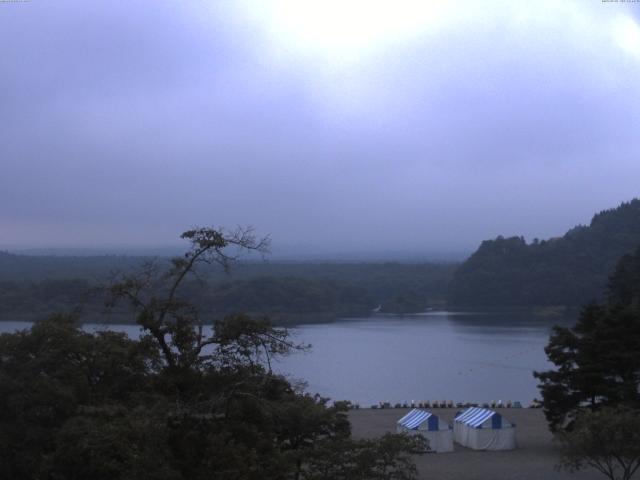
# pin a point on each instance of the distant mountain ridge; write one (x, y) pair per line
(570, 270)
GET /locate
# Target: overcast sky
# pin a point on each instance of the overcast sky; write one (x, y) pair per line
(334, 126)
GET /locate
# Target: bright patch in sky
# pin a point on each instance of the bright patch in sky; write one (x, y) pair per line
(626, 33)
(347, 29)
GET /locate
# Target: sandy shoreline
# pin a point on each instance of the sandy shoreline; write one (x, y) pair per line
(534, 459)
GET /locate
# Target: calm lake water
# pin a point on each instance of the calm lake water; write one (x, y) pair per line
(475, 357)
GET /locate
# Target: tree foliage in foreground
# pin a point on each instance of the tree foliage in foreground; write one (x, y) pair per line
(182, 402)
(598, 360)
(607, 440)
(385, 459)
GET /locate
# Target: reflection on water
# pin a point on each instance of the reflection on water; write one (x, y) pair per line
(475, 356)
(435, 356)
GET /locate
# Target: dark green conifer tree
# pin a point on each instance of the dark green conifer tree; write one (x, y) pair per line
(598, 360)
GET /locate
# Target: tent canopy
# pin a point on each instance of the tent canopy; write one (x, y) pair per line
(417, 418)
(477, 417)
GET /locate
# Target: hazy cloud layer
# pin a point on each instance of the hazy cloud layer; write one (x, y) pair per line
(124, 123)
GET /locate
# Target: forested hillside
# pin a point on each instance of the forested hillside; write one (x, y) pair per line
(34, 286)
(16, 268)
(569, 270)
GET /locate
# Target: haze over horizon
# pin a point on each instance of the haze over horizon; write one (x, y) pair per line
(335, 127)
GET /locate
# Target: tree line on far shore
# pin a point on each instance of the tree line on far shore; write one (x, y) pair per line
(286, 291)
(506, 272)
(570, 270)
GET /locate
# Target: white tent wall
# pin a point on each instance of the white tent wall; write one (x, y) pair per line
(438, 433)
(458, 435)
(485, 438)
(493, 433)
(440, 441)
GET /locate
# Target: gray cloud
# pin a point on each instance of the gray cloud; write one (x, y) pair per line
(124, 123)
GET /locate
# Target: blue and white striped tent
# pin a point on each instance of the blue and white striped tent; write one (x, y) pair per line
(475, 417)
(438, 433)
(483, 429)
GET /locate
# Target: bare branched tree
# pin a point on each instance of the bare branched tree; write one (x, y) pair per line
(153, 292)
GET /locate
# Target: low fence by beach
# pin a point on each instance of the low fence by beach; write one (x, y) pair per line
(446, 404)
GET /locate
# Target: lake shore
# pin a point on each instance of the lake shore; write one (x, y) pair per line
(123, 316)
(471, 357)
(534, 459)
